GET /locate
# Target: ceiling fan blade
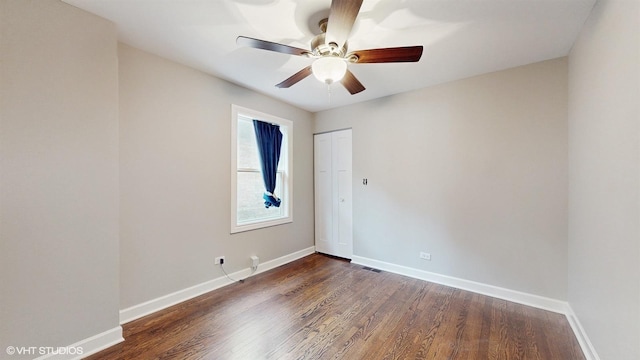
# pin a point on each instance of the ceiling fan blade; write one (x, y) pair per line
(352, 84)
(341, 18)
(387, 55)
(295, 77)
(271, 46)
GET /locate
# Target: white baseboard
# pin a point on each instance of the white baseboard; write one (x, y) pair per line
(536, 301)
(86, 347)
(586, 345)
(163, 302)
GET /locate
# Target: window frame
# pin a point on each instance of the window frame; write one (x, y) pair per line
(286, 155)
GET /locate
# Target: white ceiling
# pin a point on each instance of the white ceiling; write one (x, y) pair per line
(461, 38)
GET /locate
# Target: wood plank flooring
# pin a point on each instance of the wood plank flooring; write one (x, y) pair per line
(319, 307)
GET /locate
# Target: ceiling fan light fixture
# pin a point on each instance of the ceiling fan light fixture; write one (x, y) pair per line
(329, 69)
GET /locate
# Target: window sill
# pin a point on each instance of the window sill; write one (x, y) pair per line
(259, 225)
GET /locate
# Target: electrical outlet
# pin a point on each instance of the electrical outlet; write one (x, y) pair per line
(254, 261)
(219, 260)
(425, 256)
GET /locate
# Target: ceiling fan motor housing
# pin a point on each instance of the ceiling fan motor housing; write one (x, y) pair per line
(321, 48)
(319, 44)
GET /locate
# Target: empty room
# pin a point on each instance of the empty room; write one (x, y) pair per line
(322, 179)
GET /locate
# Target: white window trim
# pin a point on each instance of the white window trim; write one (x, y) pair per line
(288, 176)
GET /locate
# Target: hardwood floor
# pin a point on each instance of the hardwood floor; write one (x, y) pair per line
(324, 308)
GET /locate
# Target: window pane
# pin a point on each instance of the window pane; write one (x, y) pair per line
(250, 203)
(247, 147)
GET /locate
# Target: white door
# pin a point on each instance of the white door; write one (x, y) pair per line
(323, 188)
(333, 193)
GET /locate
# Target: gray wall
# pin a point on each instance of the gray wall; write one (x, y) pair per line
(473, 172)
(59, 174)
(175, 148)
(604, 181)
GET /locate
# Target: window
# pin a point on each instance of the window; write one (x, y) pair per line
(248, 211)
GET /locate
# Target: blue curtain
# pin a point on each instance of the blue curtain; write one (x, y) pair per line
(269, 139)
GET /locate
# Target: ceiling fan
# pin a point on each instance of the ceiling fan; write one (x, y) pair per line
(329, 49)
